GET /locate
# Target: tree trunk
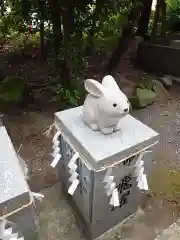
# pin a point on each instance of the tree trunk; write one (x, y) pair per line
(42, 37)
(156, 20)
(41, 6)
(68, 27)
(163, 18)
(2, 7)
(95, 17)
(60, 59)
(124, 41)
(56, 21)
(67, 22)
(144, 19)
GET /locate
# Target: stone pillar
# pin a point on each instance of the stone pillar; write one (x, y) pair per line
(103, 174)
(16, 202)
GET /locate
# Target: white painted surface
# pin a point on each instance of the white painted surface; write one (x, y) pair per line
(99, 146)
(105, 105)
(12, 182)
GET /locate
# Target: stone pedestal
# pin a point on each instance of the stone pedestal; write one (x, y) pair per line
(175, 44)
(14, 191)
(98, 153)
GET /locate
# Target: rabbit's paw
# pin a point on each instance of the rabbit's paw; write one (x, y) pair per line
(117, 127)
(107, 130)
(94, 127)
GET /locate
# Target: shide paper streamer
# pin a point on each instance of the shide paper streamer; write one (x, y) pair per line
(56, 153)
(7, 234)
(111, 190)
(139, 172)
(38, 196)
(72, 163)
(72, 169)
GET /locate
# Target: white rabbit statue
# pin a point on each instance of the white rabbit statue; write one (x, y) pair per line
(105, 105)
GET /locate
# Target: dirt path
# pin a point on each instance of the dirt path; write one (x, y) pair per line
(164, 117)
(27, 130)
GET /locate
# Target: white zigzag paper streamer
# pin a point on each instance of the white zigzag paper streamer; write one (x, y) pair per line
(7, 234)
(56, 149)
(2, 227)
(56, 144)
(72, 169)
(145, 183)
(38, 196)
(139, 172)
(73, 187)
(139, 166)
(56, 153)
(56, 136)
(56, 160)
(111, 189)
(115, 198)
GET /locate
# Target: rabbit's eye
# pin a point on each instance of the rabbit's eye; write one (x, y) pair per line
(127, 101)
(115, 105)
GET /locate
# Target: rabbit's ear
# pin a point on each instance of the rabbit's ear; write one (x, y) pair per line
(94, 87)
(109, 83)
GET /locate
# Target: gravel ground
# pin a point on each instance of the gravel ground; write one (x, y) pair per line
(164, 118)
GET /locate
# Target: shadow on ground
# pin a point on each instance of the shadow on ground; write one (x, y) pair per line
(58, 222)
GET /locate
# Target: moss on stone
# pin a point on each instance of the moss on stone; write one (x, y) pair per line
(166, 183)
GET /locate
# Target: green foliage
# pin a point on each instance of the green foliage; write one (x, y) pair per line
(65, 95)
(17, 40)
(11, 89)
(21, 40)
(168, 185)
(109, 33)
(173, 15)
(34, 40)
(112, 26)
(172, 4)
(77, 59)
(83, 23)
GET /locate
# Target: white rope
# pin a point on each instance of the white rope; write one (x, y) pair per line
(111, 186)
(31, 201)
(6, 234)
(3, 218)
(85, 162)
(38, 196)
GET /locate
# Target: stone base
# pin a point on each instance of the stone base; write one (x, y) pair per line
(171, 233)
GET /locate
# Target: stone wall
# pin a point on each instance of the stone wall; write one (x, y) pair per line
(158, 58)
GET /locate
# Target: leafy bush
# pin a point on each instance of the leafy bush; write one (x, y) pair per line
(21, 40)
(173, 16)
(69, 96)
(110, 31)
(11, 89)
